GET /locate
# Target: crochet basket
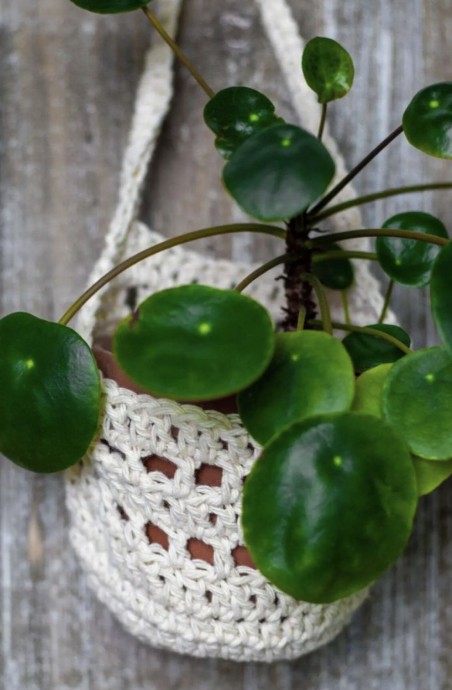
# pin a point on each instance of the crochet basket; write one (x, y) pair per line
(155, 507)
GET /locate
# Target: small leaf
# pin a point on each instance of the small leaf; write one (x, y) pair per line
(369, 351)
(369, 390)
(327, 68)
(410, 261)
(275, 174)
(195, 343)
(310, 374)
(417, 401)
(110, 6)
(336, 274)
(326, 509)
(235, 113)
(441, 295)
(430, 474)
(50, 401)
(427, 121)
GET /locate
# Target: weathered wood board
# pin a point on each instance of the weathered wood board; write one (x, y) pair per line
(67, 81)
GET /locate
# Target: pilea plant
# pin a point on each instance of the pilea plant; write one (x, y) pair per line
(354, 430)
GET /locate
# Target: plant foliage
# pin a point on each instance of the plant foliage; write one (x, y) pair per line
(353, 432)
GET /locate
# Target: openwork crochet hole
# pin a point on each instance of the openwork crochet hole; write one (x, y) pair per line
(122, 513)
(242, 556)
(199, 549)
(155, 463)
(209, 475)
(156, 535)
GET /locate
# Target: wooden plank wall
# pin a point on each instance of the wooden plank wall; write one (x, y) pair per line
(67, 81)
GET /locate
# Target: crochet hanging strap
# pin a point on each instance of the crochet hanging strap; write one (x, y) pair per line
(152, 102)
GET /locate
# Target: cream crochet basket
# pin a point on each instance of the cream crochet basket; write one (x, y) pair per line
(144, 476)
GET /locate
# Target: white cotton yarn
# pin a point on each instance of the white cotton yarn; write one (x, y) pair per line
(160, 592)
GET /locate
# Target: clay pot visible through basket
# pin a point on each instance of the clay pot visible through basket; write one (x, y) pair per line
(208, 476)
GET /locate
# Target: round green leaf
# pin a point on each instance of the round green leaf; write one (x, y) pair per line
(417, 401)
(410, 261)
(310, 374)
(235, 113)
(275, 174)
(369, 351)
(441, 294)
(195, 342)
(430, 474)
(110, 6)
(329, 505)
(427, 121)
(50, 401)
(369, 390)
(327, 68)
(336, 274)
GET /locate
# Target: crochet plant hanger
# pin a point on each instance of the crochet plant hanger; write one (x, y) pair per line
(293, 473)
(160, 543)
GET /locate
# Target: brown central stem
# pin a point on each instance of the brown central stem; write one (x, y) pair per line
(299, 293)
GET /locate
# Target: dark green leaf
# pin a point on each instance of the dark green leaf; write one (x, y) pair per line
(327, 68)
(369, 390)
(50, 401)
(336, 274)
(410, 261)
(235, 113)
(329, 505)
(310, 374)
(369, 351)
(110, 6)
(430, 474)
(275, 174)
(427, 122)
(441, 294)
(195, 343)
(417, 401)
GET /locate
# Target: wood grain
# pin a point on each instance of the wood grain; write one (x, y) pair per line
(67, 81)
